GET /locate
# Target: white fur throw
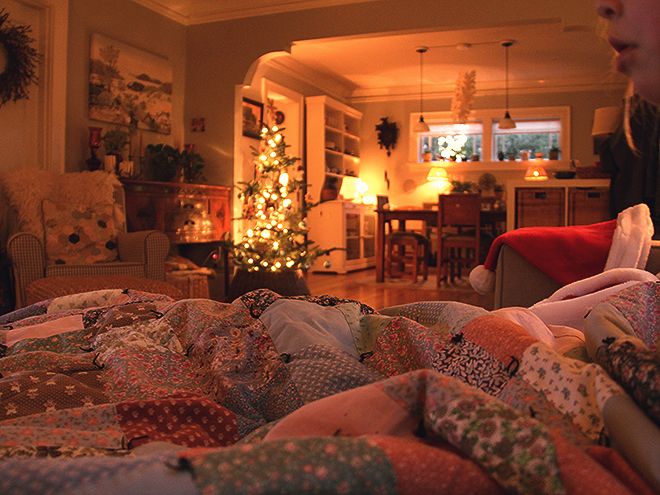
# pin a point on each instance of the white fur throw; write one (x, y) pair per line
(26, 188)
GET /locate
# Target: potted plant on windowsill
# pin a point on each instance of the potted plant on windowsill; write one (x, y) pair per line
(553, 153)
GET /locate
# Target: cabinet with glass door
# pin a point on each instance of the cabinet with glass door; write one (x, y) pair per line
(346, 225)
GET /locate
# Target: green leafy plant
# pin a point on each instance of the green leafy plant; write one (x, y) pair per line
(487, 182)
(163, 160)
(192, 164)
(166, 162)
(458, 186)
(114, 141)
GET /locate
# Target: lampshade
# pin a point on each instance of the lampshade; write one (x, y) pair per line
(606, 121)
(507, 122)
(536, 172)
(421, 126)
(437, 174)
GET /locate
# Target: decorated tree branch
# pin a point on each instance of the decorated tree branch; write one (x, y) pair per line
(274, 237)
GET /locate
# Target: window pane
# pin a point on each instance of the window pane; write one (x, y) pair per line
(457, 142)
(531, 136)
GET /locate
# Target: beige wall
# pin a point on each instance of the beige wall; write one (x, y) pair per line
(134, 25)
(220, 54)
(374, 160)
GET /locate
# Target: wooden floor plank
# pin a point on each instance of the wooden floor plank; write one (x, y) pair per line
(362, 285)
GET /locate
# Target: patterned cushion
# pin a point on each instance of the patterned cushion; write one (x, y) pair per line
(79, 234)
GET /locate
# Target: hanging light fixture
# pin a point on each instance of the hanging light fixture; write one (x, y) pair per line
(421, 126)
(507, 122)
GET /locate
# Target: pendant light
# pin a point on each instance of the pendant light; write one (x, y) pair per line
(421, 126)
(507, 122)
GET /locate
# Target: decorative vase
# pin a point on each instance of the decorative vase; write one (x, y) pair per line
(286, 283)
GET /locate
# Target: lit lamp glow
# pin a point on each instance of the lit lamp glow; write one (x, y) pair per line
(536, 172)
(606, 122)
(439, 178)
(353, 189)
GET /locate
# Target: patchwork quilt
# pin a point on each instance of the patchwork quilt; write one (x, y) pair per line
(122, 391)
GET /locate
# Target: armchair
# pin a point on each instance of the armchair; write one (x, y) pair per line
(140, 254)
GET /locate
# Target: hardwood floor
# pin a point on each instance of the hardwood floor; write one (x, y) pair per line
(362, 286)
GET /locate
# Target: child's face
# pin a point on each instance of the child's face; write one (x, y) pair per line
(634, 32)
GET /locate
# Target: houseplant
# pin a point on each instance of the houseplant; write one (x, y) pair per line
(114, 142)
(192, 165)
(553, 153)
(164, 161)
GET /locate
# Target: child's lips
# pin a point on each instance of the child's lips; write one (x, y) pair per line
(625, 50)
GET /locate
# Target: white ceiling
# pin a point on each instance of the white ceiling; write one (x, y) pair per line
(545, 57)
(549, 55)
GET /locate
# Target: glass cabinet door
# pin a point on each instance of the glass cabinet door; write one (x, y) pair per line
(352, 236)
(369, 235)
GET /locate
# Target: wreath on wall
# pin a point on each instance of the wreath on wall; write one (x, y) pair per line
(20, 70)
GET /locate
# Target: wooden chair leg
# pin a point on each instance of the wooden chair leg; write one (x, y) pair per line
(425, 261)
(415, 264)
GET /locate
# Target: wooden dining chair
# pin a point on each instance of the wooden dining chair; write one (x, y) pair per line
(406, 251)
(459, 234)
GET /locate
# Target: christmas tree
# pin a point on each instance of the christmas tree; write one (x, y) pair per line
(274, 235)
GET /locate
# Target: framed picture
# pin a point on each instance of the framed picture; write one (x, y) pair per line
(253, 115)
(128, 86)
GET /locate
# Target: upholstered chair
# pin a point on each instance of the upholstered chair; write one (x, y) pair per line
(45, 247)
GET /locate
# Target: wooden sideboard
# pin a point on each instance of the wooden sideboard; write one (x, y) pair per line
(556, 202)
(187, 213)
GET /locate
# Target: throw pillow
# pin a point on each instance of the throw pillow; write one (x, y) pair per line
(79, 234)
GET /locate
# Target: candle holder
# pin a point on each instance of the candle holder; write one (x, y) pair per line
(93, 162)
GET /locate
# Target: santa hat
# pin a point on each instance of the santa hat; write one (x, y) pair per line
(568, 254)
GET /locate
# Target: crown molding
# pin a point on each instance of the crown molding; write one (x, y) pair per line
(490, 88)
(214, 11)
(159, 8)
(327, 83)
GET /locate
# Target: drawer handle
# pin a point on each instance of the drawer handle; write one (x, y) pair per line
(593, 195)
(540, 195)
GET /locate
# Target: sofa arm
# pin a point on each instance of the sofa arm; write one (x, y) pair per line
(149, 247)
(28, 262)
(518, 282)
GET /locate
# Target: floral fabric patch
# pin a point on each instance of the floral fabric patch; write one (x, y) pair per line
(637, 371)
(517, 451)
(576, 389)
(306, 465)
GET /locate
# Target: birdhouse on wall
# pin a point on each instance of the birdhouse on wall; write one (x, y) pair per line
(388, 133)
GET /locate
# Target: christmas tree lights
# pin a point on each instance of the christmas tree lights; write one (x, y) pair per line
(273, 212)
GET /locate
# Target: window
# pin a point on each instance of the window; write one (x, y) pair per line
(538, 130)
(456, 142)
(526, 140)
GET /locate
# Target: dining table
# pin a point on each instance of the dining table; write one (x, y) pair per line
(489, 219)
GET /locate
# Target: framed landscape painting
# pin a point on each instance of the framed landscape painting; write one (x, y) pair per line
(129, 86)
(253, 115)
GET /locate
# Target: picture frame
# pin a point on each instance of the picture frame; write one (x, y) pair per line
(253, 116)
(129, 86)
